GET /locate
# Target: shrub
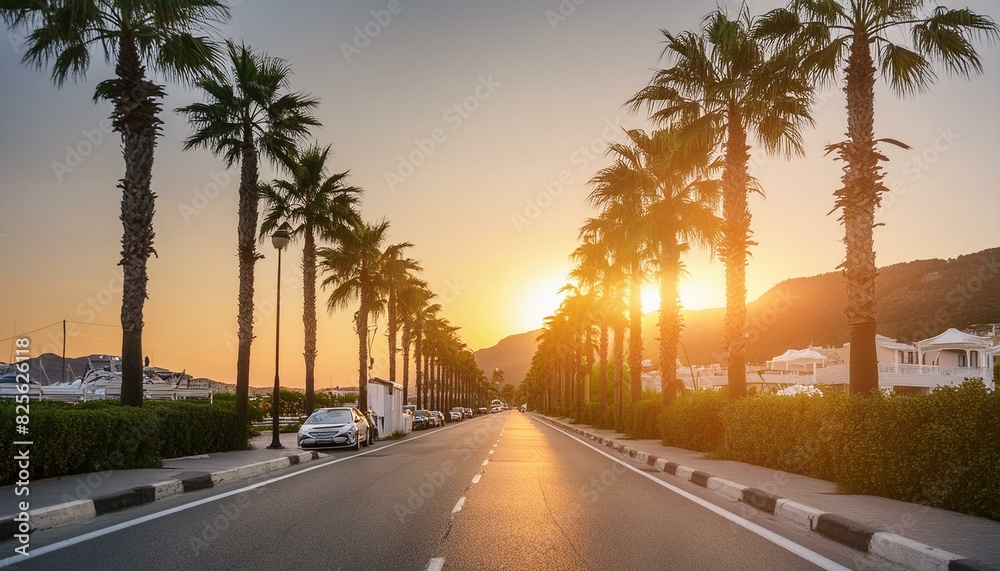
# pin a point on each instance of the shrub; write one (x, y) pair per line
(97, 436)
(941, 450)
(694, 421)
(642, 419)
(798, 434)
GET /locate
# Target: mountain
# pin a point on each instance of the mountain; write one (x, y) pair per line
(512, 355)
(916, 300)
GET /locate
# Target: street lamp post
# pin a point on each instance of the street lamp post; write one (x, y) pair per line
(279, 240)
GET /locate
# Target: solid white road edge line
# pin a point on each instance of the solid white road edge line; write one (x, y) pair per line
(141, 520)
(779, 540)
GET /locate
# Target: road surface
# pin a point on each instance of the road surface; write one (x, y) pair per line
(503, 491)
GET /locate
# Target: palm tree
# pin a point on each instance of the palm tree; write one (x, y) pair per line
(397, 272)
(354, 268)
(726, 85)
(425, 314)
(248, 112)
(311, 203)
(681, 212)
(166, 37)
(609, 230)
(841, 36)
(594, 270)
(619, 190)
(411, 299)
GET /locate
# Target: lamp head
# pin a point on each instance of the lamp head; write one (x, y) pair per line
(280, 238)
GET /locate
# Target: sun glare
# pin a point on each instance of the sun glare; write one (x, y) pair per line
(693, 296)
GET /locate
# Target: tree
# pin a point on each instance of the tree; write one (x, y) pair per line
(595, 271)
(249, 112)
(411, 299)
(312, 204)
(135, 35)
(681, 211)
(614, 236)
(354, 268)
(836, 37)
(398, 271)
(724, 84)
(618, 190)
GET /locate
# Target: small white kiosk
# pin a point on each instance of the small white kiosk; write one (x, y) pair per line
(386, 399)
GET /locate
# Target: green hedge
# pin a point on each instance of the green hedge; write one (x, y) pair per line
(694, 421)
(941, 450)
(97, 436)
(642, 419)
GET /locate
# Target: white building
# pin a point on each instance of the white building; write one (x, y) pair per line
(386, 399)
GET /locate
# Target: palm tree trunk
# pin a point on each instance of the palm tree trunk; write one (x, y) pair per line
(735, 242)
(859, 197)
(135, 117)
(363, 354)
(309, 315)
(406, 361)
(418, 362)
(247, 254)
(670, 321)
(392, 327)
(635, 332)
(618, 357)
(603, 366)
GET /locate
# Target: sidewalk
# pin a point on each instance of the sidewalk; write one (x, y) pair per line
(913, 535)
(68, 499)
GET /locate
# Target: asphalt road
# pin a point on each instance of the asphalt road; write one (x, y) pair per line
(504, 491)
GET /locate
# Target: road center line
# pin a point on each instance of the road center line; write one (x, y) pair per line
(436, 564)
(779, 540)
(486, 461)
(458, 506)
(475, 479)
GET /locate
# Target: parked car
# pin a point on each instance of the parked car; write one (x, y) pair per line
(439, 417)
(335, 427)
(455, 415)
(469, 413)
(482, 410)
(494, 410)
(423, 419)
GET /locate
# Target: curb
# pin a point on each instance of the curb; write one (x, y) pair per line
(81, 510)
(866, 539)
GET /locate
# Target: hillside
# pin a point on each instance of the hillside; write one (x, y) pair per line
(512, 355)
(917, 300)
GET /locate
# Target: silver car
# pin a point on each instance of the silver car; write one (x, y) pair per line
(335, 427)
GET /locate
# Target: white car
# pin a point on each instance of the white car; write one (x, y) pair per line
(335, 427)
(494, 410)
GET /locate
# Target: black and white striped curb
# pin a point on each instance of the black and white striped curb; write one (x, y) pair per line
(864, 538)
(80, 510)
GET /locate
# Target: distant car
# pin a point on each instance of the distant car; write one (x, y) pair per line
(469, 413)
(438, 417)
(494, 410)
(458, 414)
(482, 410)
(335, 427)
(423, 419)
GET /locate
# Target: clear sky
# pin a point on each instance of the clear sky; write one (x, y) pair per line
(473, 127)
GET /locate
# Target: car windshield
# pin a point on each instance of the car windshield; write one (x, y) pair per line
(338, 416)
(421, 413)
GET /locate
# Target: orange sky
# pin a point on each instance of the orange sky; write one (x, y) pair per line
(520, 103)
